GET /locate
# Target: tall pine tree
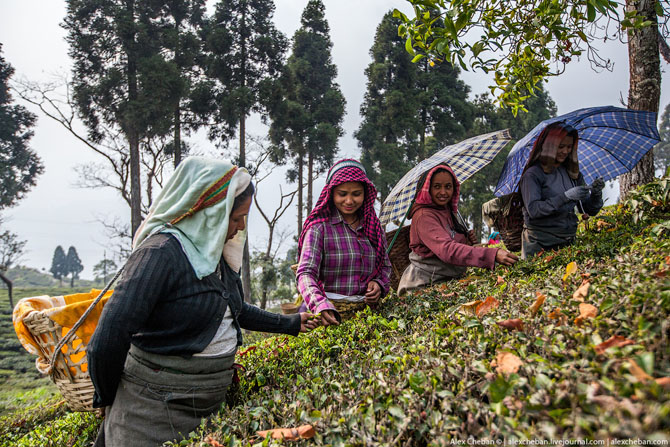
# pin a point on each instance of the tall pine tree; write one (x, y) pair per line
(180, 23)
(410, 109)
(120, 77)
(307, 117)
(245, 52)
(73, 265)
(59, 264)
(20, 165)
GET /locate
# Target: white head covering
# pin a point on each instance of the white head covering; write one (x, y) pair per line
(195, 206)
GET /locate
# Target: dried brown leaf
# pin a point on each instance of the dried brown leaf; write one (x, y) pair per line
(539, 300)
(638, 372)
(616, 341)
(582, 291)
(507, 363)
(586, 311)
(289, 434)
(513, 325)
(469, 308)
(487, 306)
(556, 314)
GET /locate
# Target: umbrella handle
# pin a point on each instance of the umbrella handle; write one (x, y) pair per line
(397, 231)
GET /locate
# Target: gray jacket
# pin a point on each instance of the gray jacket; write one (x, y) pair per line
(545, 206)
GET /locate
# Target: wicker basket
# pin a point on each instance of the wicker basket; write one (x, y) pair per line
(399, 254)
(509, 221)
(347, 309)
(289, 308)
(70, 370)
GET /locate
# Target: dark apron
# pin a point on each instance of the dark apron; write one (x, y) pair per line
(161, 398)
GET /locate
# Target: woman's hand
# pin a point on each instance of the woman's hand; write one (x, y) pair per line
(308, 321)
(505, 258)
(328, 317)
(472, 238)
(373, 293)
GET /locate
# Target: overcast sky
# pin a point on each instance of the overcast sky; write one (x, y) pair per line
(56, 213)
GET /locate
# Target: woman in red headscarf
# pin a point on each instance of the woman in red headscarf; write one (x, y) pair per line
(442, 248)
(342, 247)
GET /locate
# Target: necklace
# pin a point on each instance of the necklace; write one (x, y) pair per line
(353, 222)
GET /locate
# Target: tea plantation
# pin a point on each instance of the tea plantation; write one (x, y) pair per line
(573, 345)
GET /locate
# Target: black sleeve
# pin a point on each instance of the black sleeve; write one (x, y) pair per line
(147, 275)
(255, 319)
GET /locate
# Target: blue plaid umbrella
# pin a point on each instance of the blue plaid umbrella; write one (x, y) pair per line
(611, 142)
(464, 158)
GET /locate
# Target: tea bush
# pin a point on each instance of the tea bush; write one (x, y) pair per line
(435, 366)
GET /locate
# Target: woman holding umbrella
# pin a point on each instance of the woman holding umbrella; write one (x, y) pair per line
(343, 263)
(442, 248)
(551, 187)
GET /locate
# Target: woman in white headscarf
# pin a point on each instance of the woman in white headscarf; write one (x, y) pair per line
(162, 354)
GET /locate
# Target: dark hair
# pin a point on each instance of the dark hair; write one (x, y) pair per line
(243, 196)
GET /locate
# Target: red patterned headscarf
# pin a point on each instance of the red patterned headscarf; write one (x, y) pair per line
(344, 171)
(423, 197)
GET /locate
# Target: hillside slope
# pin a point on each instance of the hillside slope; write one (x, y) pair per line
(434, 367)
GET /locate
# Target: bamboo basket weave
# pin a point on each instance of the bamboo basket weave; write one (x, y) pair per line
(399, 254)
(347, 309)
(69, 371)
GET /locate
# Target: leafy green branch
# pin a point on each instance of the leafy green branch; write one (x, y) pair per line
(521, 42)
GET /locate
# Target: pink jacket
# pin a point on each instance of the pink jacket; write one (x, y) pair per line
(431, 233)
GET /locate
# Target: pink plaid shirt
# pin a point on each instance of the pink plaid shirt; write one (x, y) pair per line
(337, 259)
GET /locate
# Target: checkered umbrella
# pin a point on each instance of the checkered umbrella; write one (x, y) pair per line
(611, 142)
(464, 158)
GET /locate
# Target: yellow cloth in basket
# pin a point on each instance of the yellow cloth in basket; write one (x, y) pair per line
(64, 311)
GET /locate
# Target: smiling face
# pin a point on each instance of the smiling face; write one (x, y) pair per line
(348, 198)
(564, 149)
(236, 221)
(441, 188)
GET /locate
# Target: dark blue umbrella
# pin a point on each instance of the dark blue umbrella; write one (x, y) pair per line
(611, 141)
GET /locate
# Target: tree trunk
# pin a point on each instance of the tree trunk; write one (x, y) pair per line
(177, 136)
(177, 113)
(264, 299)
(8, 282)
(246, 265)
(72, 281)
(246, 274)
(310, 181)
(300, 186)
(135, 184)
(645, 85)
(132, 134)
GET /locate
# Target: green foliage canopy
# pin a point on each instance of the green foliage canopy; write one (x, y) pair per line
(73, 265)
(308, 111)
(521, 42)
(409, 111)
(244, 52)
(19, 165)
(479, 188)
(59, 264)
